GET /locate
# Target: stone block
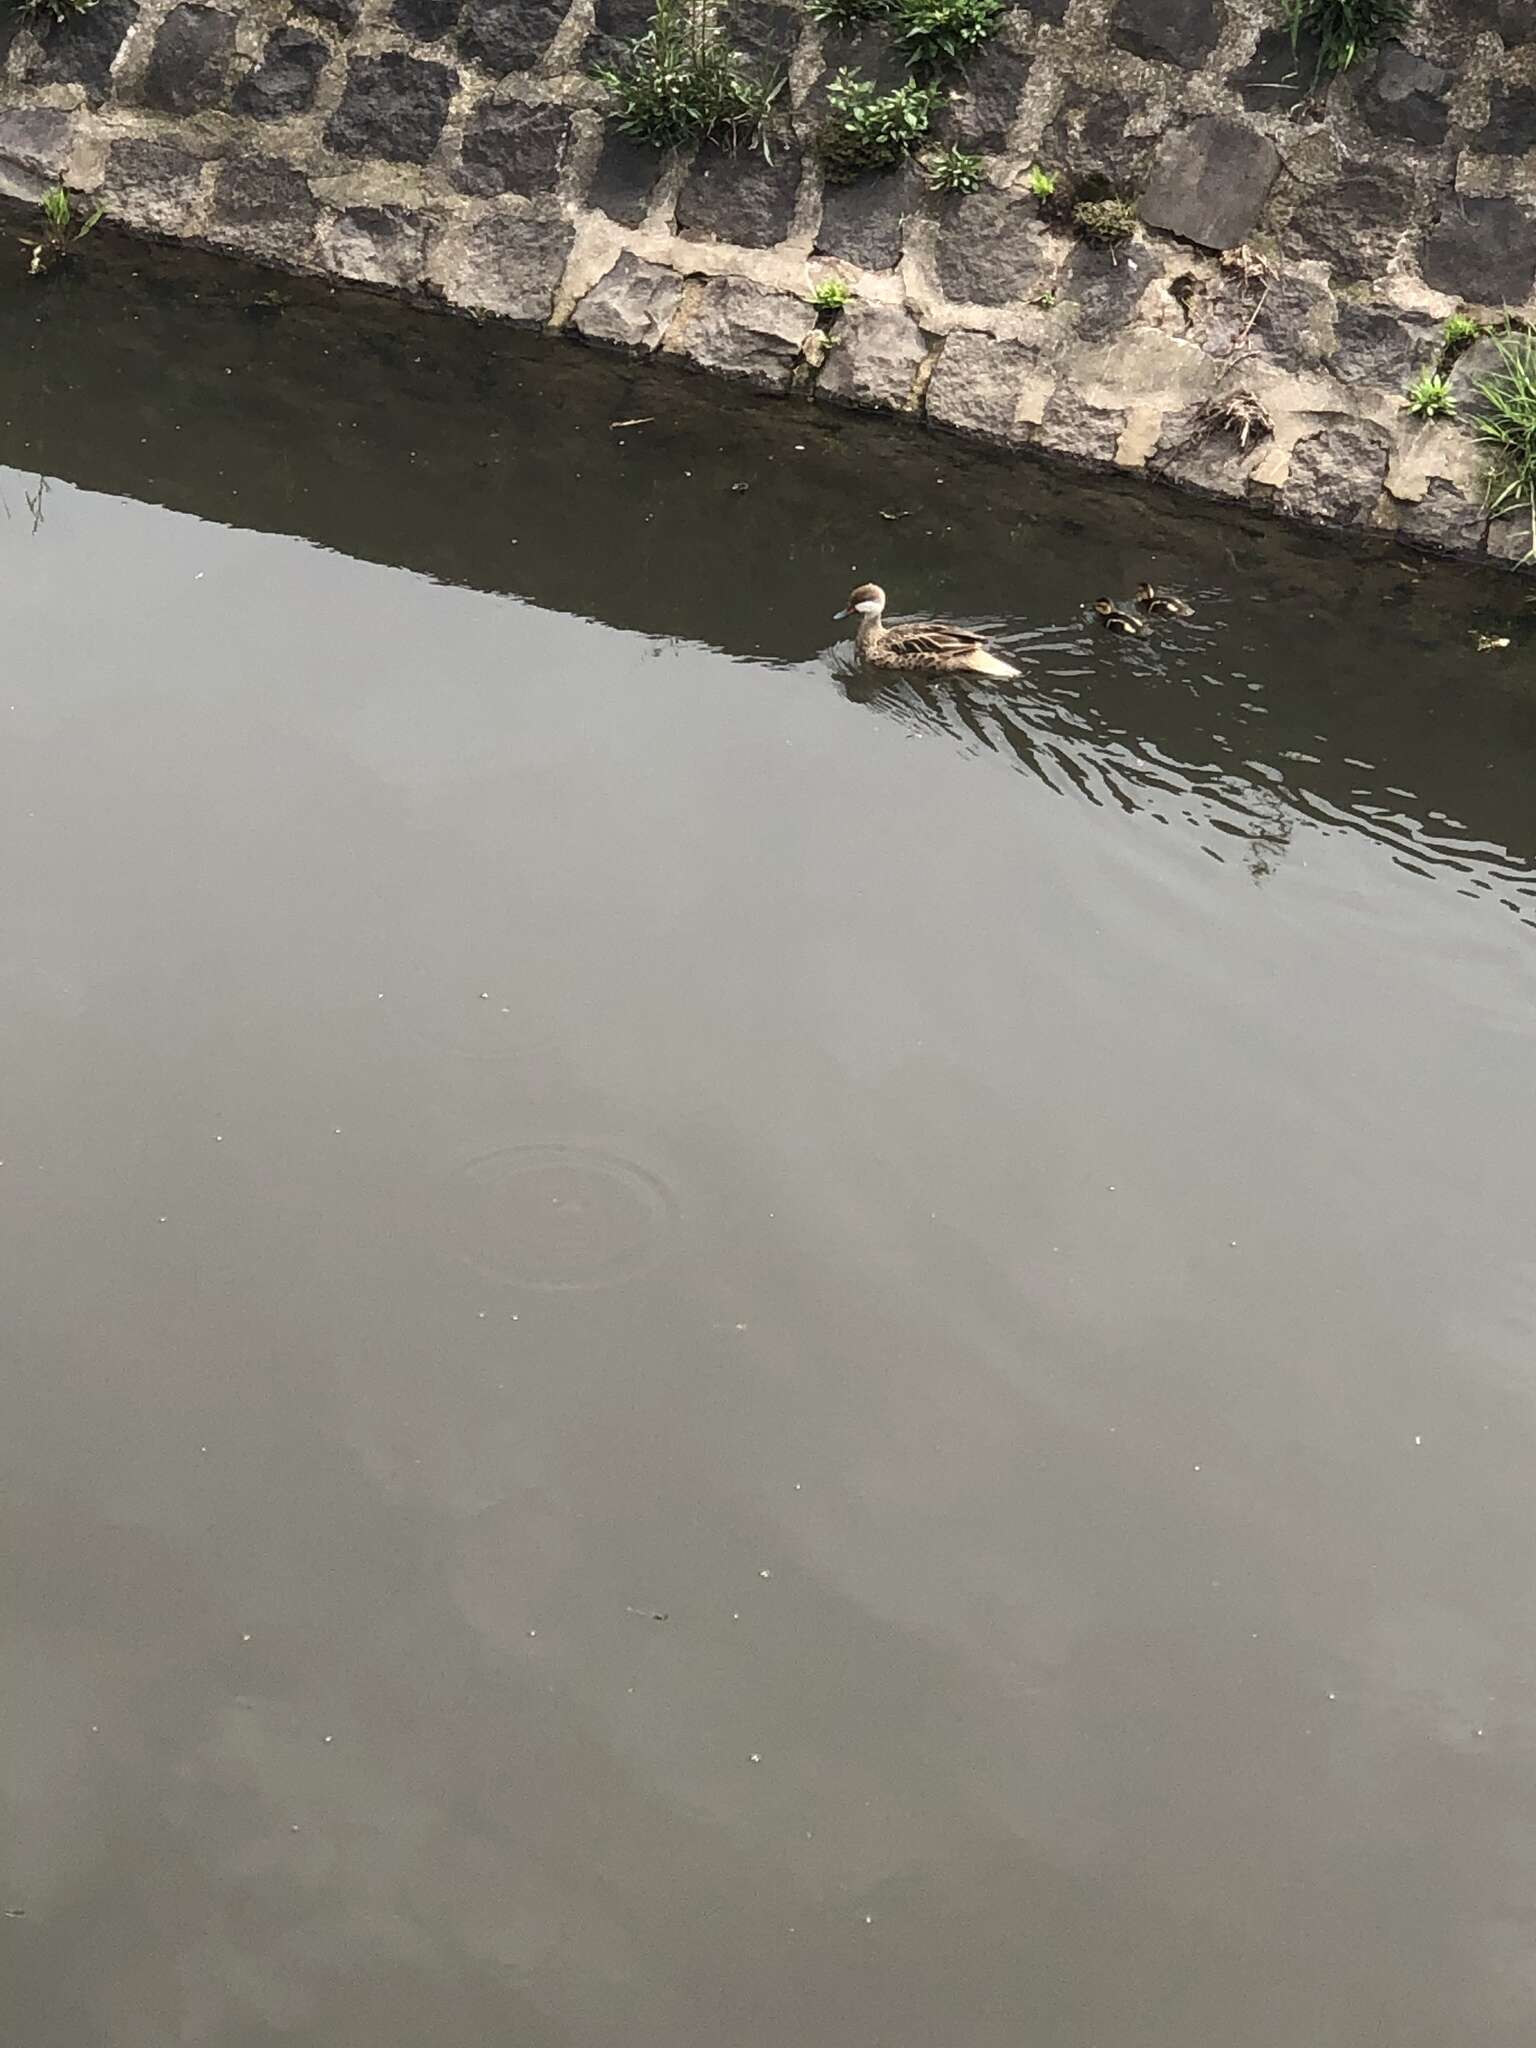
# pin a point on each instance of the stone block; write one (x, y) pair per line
(1182, 32)
(991, 389)
(1511, 125)
(877, 354)
(1336, 474)
(1104, 286)
(861, 223)
(1211, 181)
(512, 146)
(1280, 74)
(1354, 222)
(1073, 428)
(1405, 97)
(507, 263)
(1484, 250)
(383, 245)
(509, 35)
(742, 196)
(1380, 346)
(393, 107)
(426, 21)
(286, 79)
(1445, 518)
(1196, 451)
(624, 180)
(745, 331)
(151, 185)
(992, 249)
(341, 14)
(631, 307)
(34, 147)
(188, 67)
(264, 205)
(1090, 132)
(985, 106)
(81, 49)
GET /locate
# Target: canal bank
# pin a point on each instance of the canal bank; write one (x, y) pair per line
(1301, 247)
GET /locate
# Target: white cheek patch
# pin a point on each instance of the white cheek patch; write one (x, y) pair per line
(869, 605)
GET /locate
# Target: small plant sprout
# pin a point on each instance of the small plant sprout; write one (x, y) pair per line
(832, 294)
(1105, 221)
(681, 82)
(1346, 30)
(954, 170)
(1461, 330)
(937, 35)
(1507, 428)
(871, 130)
(62, 228)
(1430, 398)
(1041, 183)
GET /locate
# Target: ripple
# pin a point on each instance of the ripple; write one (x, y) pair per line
(564, 1217)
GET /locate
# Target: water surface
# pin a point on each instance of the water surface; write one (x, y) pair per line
(700, 1354)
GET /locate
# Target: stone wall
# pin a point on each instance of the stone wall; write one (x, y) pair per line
(1301, 250)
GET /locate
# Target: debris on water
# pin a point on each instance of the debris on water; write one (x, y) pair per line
(15, 1912)
(1487, 642)
(646, 1614)
(895, 515)
(329, 1738)
(741, 487)
(754, 1758)
(765, 1573)
(648, 420)
(1418, 1440)
(245, 1639)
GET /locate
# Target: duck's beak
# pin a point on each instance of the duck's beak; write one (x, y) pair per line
(842, 614)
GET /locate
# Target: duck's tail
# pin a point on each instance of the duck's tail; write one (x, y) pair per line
(984, 663)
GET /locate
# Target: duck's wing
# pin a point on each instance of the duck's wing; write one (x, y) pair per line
(928, 642)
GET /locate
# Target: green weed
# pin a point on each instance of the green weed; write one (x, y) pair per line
(832, 294)
(1430, 398)
(1041, 183)
(870, 130)
(681, 82)
(61, 229)
(1461, 330)
(939, 34)
(954, 170)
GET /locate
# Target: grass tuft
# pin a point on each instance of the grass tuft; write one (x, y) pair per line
(1347, 30)
(1507, 428)
(954, 170)
(681, 82)
(1041, 183)
(59, 231)
(871, 130)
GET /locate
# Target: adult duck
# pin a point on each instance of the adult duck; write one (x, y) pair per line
(921, 646)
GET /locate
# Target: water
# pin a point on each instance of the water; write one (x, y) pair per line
(697, 1354)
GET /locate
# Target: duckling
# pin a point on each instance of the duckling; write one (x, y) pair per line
(1162, 607)
(1113, 620)
(920, 645)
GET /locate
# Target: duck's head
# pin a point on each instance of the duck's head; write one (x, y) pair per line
(1146, 593)
(1106, 607)
(868, 601)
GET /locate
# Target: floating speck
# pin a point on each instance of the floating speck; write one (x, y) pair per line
(754, 1758)
(765, 1573)
(330, 1738)
(1418, 1440)
(245, 1639)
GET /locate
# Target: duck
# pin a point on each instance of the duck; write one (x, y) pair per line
(919, 645)
(1113, 620)
(1162, 607)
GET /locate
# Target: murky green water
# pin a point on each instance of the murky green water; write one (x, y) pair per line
(696, 1356)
